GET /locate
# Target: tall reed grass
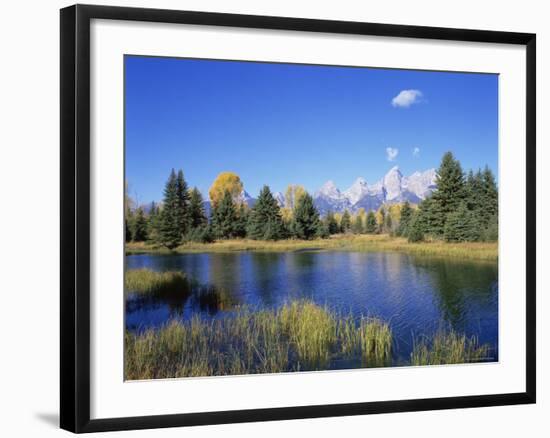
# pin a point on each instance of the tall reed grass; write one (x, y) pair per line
(145, 281)
(448, 347)
(299, 336)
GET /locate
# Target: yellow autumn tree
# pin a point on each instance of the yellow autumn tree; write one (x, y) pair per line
(286, 214)
(225, 181)
(293, 194)
(395, 211)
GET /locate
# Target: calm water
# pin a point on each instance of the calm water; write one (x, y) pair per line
(417, 295)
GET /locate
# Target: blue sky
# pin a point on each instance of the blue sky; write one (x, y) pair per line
(278, 124)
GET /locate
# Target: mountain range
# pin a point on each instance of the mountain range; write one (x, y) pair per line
(392, 188)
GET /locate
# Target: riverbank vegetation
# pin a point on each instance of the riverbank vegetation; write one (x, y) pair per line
(299, 336)
(487, 251)
(448, 347)
(145, 281)
(462, 208)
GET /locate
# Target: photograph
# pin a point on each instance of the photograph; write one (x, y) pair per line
(284, 217)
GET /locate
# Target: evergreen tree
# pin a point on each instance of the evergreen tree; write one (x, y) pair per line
(371, 225)
(490, 233)
(345, 223)
(404, 222)
(357, 227)
(224, 216)
(153, 223)
(448, 195)
(331, 224)
(242, 221)
(306, 223)
(415, 230)
(140, 226)
(127, 231)
(489, 197)
(474, 191)
(170, 221)
(197, 216)
(322, 230)
(430, 218)
(461, 225)
(182, 192)
(265, 221)
(388, 223)
(202, 233)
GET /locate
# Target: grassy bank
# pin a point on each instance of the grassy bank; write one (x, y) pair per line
(298, 336)
(474, 251)
(145, 281)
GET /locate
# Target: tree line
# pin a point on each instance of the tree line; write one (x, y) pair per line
(462, 208)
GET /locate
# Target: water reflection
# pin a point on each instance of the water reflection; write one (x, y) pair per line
(415, 294)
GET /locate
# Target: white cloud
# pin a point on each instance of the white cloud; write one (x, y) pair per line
(416, 152)
(406, 98)
(391, 153)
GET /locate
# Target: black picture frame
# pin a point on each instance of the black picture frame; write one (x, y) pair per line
(75, 217)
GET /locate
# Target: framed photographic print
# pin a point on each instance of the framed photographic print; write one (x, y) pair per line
(271, 218)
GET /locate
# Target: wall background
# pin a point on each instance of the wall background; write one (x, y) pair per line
(29, 216)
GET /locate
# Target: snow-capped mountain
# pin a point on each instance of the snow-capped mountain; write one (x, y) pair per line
(421, 183)
(358, 190)
(392, 188)
(280, 198)
(245, 198)
(330, 198)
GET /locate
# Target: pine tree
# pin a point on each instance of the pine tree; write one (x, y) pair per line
(357, 227)
(140, 226)
(405, 221)
(306, 223)
(489, 197)
(153, 223)
(197, 216)
(430, 219)
(183, 204)
(331, 224)
(127, 231)
(224, 216)
(371, 225)
(242, 221)
(448, 195)
(345, 223)
(461, 225)
(388, 223)
(490, 233)
(415, 230)
(474, 191)
(265, 221)
(170, 223)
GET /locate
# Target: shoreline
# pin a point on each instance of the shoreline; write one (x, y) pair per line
(480, 251)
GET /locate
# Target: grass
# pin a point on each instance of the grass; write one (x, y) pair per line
(299, 336)
(145, 281)
(365, 243)
(448, 347)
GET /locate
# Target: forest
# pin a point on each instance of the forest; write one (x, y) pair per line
(462, 208)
